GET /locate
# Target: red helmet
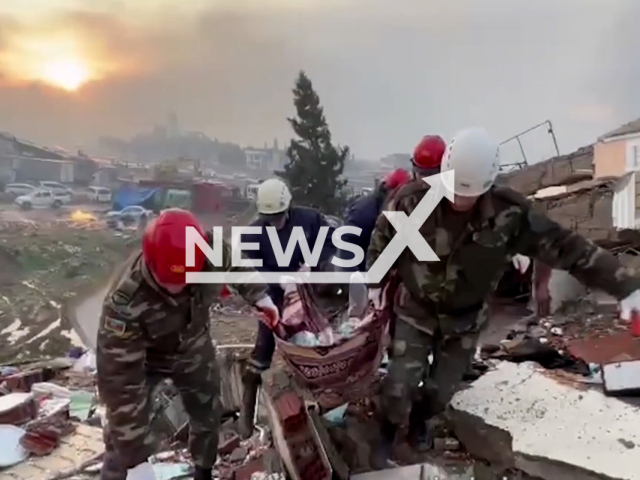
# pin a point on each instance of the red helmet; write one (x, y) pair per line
(428, 153)
(164, 246)
(396, 178)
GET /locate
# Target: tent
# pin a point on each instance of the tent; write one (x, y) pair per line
(127, 196)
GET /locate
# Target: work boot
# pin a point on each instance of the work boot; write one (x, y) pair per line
(251, 382)
(420, 437)
(203, 473)
(381, 454)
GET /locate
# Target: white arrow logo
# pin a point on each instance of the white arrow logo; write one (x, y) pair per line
(407, 235)
(407, 228)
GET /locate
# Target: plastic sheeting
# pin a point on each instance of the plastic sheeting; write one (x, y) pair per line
(128, 196)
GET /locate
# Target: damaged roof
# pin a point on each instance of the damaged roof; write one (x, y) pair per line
(563, 170)
(626, 129)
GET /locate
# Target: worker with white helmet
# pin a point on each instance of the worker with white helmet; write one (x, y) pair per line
(273, 202)
(441, 307)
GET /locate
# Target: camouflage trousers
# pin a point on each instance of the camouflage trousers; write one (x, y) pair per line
(412, 380)
(195, 373)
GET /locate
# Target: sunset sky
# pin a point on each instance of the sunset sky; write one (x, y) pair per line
(387, 71)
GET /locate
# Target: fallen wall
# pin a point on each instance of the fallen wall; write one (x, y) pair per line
(519, 415)
(586, 211)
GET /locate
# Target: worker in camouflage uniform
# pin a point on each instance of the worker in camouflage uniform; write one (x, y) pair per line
(441, 307)
(153, 326)
(273, 202)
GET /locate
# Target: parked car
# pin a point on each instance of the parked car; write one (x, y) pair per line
(55, 187)
(131, 214)
(64, 197)
(99, 194)
(19, 188)
(42, 199)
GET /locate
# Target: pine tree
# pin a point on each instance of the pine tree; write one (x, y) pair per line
(315, 167)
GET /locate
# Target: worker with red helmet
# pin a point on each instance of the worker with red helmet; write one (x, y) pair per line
(364, 212)
(154, 325)
(427, 156)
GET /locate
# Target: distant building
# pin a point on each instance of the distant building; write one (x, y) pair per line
(106, 176)
(266, 159)
(258, 159)
(23, 161)
(41, 169)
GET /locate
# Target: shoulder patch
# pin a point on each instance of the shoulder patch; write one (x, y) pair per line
(115, 326)
(120, 299)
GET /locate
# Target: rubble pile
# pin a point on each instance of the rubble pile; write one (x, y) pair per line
(579, 338)
(49, 409)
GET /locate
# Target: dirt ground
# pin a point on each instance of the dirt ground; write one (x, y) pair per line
(47, 259)
(49, 264)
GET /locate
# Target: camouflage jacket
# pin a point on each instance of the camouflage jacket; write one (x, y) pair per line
(474, 254)
(140, 321)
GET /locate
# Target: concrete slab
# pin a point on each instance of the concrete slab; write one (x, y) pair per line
(549, 429)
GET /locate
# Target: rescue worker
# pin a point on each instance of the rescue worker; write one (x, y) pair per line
(274, 208)
(427, 156)
(441, 307)
(364, 212)
(155, 326)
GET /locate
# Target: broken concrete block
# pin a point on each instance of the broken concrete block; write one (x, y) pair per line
(621, 378)
(17, 408)
(558, 432)
(339, 466)
(483, 440)
(294, 434)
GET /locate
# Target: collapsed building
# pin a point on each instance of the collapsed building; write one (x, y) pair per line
(592, 191)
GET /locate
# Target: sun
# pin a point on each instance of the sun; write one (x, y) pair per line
(66, 73)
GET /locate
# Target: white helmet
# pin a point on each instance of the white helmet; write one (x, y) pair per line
(273, 197)
(474, 156)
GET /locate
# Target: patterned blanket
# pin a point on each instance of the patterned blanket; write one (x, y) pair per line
(346, 370)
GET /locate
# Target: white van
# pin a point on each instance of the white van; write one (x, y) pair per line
(99, 194)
